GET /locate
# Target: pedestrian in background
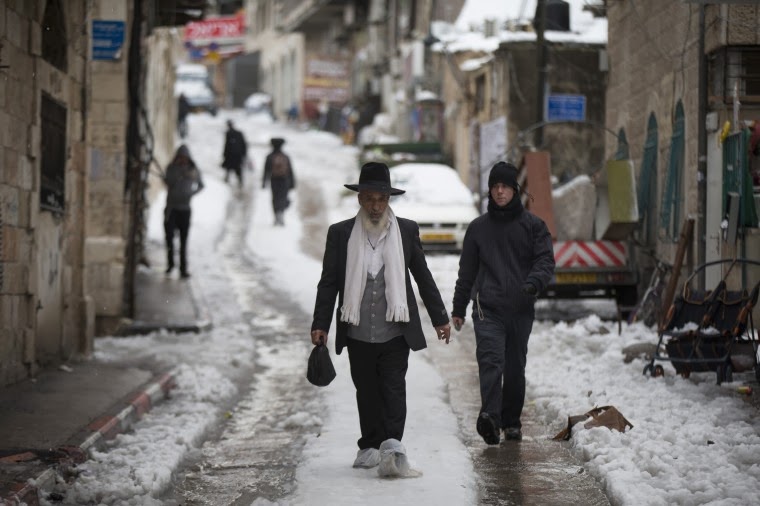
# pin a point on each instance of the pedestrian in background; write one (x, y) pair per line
(183, 180)
(235, 153)
(183, 109)
(507, 260)
(278, 171)
(366, 265)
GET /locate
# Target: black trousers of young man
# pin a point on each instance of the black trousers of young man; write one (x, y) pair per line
(177, 220)
(379, 374)
(501, 351)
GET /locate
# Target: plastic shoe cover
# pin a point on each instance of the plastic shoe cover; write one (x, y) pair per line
(394, 462)
(367, 458)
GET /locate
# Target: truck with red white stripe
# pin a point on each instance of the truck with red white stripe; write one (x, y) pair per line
(585, 269)
(592, 249)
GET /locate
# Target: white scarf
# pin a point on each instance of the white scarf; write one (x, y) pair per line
(356, 273)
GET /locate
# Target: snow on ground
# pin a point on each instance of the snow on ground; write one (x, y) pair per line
(692, 442)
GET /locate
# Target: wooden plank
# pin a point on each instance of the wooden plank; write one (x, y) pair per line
(538, 183)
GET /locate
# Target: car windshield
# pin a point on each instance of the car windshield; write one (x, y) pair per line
(430, 183)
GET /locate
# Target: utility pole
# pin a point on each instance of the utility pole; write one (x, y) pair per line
(701, 148)
(540, 24)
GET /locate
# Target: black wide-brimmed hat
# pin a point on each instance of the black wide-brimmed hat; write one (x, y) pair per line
(376, 177)
(277, 141)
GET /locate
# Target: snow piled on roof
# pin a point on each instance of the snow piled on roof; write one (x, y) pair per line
(467, 33)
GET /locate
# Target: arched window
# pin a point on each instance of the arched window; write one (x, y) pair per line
(647, 198)
(54, 42)
(622, 147)
(670, 214)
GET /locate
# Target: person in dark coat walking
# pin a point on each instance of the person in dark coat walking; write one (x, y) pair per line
(507, 260)
(279, 172)
(183, 109)
(183, 180)
(367, 264)
(235, 152)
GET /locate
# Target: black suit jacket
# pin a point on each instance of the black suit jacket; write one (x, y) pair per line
(333, 279)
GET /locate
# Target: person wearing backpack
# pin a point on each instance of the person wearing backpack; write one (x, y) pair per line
(235, 152)
(279, 172)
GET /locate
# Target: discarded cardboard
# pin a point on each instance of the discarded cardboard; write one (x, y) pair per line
(605, 416)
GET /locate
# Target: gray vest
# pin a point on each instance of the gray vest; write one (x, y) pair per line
(372, 326)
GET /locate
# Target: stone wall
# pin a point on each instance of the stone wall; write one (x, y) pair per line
(107, 216)
(43, 308)
(653, 65)
(653, 54)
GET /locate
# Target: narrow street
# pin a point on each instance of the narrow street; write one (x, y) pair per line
(245, 427)
(255, 451)
(256, 447)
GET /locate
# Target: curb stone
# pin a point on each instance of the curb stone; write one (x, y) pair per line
(98, 431)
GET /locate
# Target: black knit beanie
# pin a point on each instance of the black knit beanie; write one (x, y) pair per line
(503, 172)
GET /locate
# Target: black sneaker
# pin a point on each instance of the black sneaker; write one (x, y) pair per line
(487, 429)
(512, 433)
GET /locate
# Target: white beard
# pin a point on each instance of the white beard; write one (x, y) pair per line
(374, 229)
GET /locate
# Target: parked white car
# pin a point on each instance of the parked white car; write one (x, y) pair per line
(438, 200)
(258, 103)
(193, 81)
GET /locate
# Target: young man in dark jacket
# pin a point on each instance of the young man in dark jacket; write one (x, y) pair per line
(507, 260)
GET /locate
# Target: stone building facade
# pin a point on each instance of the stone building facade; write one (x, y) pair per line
(62, 225)
(673, 67)
(107, 219)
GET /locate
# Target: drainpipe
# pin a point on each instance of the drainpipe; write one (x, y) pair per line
(702, 149)
(541, 65)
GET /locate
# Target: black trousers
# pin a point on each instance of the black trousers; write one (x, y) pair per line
(238, 170)
(177, 220)
(502, 352)
(379, 375)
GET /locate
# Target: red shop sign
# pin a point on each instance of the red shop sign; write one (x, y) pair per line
(227, 27)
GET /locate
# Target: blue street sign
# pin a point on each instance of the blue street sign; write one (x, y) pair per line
(107, 39)
(566, 108)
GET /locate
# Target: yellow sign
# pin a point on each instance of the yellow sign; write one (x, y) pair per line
(213, 57)
(575, 277)
(437, 237)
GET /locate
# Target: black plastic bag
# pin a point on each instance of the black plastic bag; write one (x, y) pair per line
(320, 371)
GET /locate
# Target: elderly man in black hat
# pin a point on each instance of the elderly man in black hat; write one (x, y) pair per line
(507, 260)
(278, 171)
(367, 264)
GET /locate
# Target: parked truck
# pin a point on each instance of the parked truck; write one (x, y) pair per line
(592, 247)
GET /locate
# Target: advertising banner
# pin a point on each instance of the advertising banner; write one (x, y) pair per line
(327, 79)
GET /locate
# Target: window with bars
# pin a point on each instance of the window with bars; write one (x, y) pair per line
(53, 150)
(735, 67)
(670, 214)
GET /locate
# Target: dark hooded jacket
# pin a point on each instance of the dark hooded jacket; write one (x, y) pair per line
(503, 249)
